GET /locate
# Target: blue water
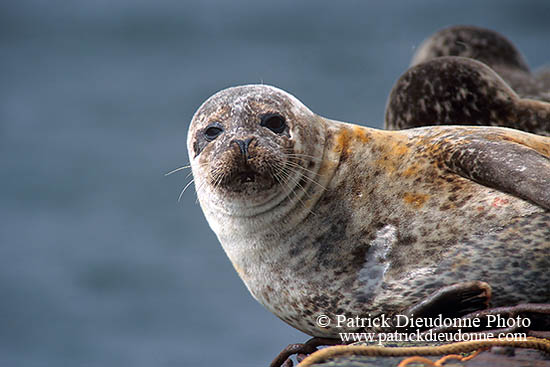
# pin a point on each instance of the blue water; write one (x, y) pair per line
(99, 263)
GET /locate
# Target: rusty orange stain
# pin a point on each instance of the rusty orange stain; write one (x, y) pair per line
(499, 202)
(400, 149)
(391, 156)
(361, 134)
(411, 171)
(342, 141)
(386, 164)
(415, 199)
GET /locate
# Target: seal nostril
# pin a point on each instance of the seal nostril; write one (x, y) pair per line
(243, 146)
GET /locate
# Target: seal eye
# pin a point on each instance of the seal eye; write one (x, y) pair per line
(274, 122)
(212, 131)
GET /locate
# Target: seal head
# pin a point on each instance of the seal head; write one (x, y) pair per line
(247, 142)
(485, 45)
(492, 49)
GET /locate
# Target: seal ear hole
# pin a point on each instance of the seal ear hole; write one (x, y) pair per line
(274, 122)
(212, 131)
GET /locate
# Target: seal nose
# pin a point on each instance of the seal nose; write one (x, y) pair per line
(243, 146)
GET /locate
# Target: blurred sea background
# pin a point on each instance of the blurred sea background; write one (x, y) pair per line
(100, 265)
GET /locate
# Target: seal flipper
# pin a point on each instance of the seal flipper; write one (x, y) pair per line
(504, 165)
(453, 301)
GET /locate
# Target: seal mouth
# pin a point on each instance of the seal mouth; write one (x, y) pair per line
(247, 179)
(246, 176)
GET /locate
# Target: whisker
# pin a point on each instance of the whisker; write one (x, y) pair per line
(296, 184)
(286, 173)
(219, 176)
(185, 188)
(295, 165)
(185, 167)
(300, 155)
(177, 170)
(286, 177)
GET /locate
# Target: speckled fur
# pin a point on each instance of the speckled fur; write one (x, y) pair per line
(445, 86)
(492, 49)
(460, 91)
(391, 217)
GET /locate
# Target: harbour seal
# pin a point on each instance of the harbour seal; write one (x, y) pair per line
(470, 76)
(321, 217)
(453, 90)
(491, 48)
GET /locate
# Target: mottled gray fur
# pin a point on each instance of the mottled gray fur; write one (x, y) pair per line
(369, 221)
